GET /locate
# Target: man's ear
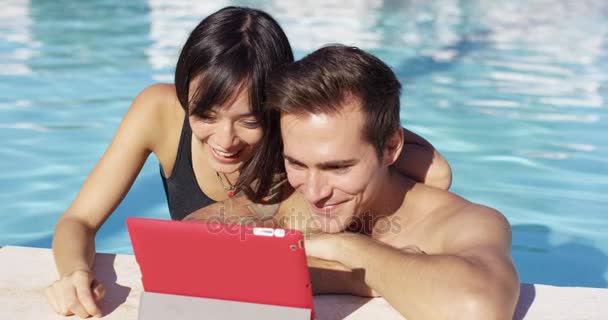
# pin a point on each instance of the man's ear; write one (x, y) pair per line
(393, 147)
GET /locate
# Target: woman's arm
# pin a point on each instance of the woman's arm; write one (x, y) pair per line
(104, 188)
(422, 162)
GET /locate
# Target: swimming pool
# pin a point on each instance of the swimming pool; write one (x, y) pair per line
(513, 93)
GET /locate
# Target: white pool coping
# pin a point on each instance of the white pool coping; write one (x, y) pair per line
(25, 272)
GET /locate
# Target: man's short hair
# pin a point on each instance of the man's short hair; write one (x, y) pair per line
(326, 80)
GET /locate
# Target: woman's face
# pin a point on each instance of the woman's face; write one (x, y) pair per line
(229, 133)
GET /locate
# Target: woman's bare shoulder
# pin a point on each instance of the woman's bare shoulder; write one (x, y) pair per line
(157, 115)
(160, 96)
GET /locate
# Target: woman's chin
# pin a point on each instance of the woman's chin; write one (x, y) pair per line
(226, 168)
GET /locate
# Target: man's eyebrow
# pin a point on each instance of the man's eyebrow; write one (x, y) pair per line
(338, 163)
(327, 164)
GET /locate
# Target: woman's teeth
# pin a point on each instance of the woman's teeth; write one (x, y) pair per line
(225, 154)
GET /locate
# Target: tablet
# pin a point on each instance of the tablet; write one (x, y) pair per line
(222, 261)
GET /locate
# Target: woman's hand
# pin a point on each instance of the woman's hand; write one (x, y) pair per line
(420, 161)
(237, 210)
(76, 293)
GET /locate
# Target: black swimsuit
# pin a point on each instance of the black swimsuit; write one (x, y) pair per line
(183, 193)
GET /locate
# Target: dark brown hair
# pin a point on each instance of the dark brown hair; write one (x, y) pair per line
(235, 48)
(325, 80)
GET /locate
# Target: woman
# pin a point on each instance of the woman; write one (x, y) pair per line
(207, 133)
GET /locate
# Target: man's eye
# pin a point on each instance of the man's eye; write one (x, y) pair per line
(340, 170)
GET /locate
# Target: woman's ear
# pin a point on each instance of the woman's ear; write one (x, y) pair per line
(393, 147)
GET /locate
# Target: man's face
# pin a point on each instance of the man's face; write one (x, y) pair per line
(330, 164)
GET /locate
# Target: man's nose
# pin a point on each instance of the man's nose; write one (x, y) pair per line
(316, 190)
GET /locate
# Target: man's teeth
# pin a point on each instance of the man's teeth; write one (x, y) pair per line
(224, 154)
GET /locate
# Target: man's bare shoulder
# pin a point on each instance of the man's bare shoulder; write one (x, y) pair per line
(441, 221)
(426, 203)
(475, 226)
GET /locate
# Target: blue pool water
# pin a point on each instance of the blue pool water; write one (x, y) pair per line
(512, 92)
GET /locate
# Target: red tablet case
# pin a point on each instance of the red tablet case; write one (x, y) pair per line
(228, 262)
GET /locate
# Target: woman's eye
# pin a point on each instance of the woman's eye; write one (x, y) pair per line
(207, 117)
(250, 123)
(294, 165)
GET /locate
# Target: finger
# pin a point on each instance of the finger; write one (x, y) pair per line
(189, 217)
(71, 302)
(77, 309)
(50, 297)
(99, 291)
(199, 215)
(61, 299)
(85, 297)
(375, 294)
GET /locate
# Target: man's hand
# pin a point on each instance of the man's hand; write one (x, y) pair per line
(76, 293)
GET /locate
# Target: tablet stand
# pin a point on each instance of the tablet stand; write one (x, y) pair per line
(153, 306)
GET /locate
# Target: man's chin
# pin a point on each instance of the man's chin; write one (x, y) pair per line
(329, 225)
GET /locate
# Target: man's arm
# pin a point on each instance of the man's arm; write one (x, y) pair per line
(326, 276)
(472, 278)
(422, 162)
(331, 277)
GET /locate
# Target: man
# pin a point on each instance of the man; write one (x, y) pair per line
(430, 253)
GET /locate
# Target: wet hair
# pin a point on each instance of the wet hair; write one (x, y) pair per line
(235, 49)
(331, 77)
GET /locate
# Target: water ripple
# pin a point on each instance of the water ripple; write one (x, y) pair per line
(513, 93)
